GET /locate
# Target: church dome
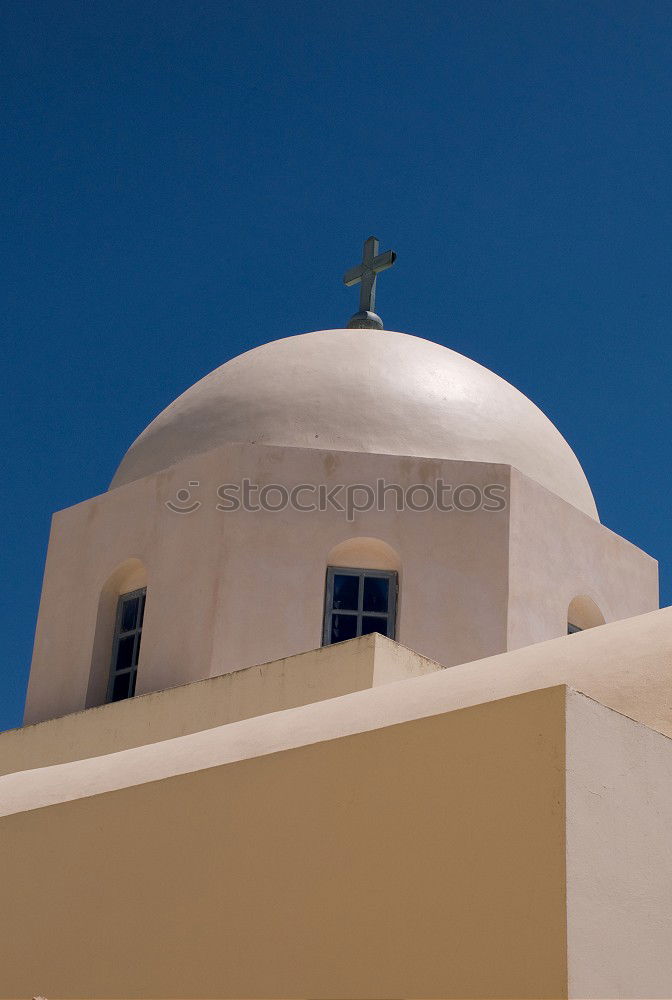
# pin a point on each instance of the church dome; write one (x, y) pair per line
(369, 391)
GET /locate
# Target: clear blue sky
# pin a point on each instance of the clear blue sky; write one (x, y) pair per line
(182, 181)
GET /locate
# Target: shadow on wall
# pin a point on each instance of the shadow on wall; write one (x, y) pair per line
(584, 613)
(130, 575)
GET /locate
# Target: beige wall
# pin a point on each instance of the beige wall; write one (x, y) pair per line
(418, 860)
(333, 850)
(303, 679)
(227, 590)
(381, 843)
(623, 665)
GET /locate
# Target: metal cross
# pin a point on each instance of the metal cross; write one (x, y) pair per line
(372, 264)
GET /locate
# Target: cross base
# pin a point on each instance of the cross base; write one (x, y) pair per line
(365, 321)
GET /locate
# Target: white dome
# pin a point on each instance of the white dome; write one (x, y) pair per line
(368, 391)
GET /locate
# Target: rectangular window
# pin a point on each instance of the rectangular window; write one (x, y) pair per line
(358, 602)
(126, 645)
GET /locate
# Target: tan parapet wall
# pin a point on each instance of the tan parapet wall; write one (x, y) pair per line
(303, 679)
(425, 859)
(624, 665)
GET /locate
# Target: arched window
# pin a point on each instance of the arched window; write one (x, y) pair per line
(116, 644)
(361, 592)
(126, 645)
(583, 613)
(358, 602)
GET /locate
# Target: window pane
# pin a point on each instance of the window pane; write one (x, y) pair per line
(125, 653)
(120, 689)
(129, 614)
(142, 610)
(376, 589)
(133, 680)
(374, 625)
(346, 592)
(343, 627)
(137, 650)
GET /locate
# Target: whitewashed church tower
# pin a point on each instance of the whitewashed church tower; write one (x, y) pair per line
(318, 705)
(437, 478)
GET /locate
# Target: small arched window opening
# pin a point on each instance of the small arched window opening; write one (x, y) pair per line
(583, 613)
(362, 590)
(126, 645)
(129, 580)
(359, 602)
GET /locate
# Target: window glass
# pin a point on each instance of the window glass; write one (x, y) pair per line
(377, 624)
(125, 653)
(375, 593)
(343, 627)
(346, 592)
(129, 614)
(120, 688)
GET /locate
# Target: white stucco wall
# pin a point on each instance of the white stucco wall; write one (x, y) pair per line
(619, 855)
(558, 553)
(231, 589)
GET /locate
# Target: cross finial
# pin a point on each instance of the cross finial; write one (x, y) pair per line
(372, 264)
